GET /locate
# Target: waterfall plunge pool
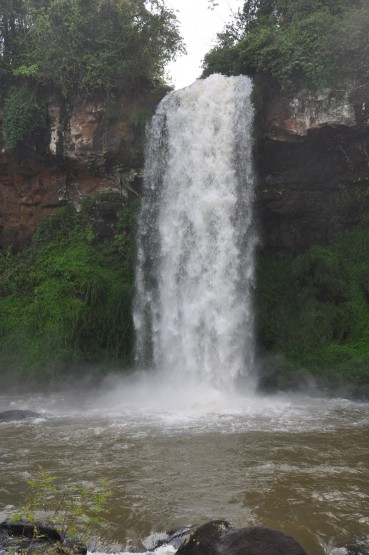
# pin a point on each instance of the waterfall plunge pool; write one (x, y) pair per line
(179, 456)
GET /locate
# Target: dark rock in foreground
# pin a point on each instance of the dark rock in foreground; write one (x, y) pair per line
(356, 550)
(174, 537)
(15, 415)
(27, 532)
(219, 538)
(16, 537)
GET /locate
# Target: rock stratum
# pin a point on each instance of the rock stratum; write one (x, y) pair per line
(99, 150)
(312, 160)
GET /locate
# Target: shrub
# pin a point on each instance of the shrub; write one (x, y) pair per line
(22, 116)
(69, 508)
(314, 44)
(313, 308)
(66, 301)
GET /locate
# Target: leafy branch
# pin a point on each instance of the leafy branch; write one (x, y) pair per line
(71, 509)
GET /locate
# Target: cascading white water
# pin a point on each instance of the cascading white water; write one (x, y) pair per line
(193, 310)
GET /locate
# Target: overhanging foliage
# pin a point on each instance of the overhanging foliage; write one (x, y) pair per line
(304, 43)
(83, 48)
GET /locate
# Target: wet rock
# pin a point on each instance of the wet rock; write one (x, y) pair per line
(219, 538)
(206, 539)
(28, 531)
(174, 537)
(258, 541)
(15, 415)
(35, 538)
(313, 167)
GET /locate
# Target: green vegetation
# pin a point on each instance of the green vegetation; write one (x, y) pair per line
(66, 305)
(304, 43)
(313, 308)
(70, 509)
(23, 117)
(72, 49)
(65, 302)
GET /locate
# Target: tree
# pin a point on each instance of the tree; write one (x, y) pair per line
(12, 30)
(82, 48)
(87, 46)
(309, 43)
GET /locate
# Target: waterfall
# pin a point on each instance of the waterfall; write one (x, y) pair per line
(195, 264)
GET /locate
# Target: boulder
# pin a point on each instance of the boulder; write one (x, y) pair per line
(174, 537)
(355, 550)
(15, 415)
(219, 538)
(36, 538)
(27, 531)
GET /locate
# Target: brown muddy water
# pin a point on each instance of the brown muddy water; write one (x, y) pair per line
(173, 457)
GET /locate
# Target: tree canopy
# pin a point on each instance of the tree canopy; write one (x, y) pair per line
(86, 46)
(78, 49)
(312, 43)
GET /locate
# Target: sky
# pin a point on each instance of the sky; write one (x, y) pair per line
(198, 27)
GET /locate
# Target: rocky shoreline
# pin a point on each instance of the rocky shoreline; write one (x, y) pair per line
(217, 537)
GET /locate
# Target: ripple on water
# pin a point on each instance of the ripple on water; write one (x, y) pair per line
(289, 462)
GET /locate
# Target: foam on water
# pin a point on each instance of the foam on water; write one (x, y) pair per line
(178, 456)
(143, 404)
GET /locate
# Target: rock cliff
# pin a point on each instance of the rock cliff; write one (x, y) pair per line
(313, 166)
(100, 149)
(312, 160)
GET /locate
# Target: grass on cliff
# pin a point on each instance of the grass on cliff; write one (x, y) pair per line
(313, 310)
(66, 302)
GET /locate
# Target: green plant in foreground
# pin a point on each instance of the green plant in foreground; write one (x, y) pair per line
(71, 509)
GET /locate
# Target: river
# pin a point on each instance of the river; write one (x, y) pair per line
(174, 457)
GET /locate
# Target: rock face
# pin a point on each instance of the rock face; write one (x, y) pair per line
(219, 538)
(291, 120)
(173, 537)
(312, 160)
(100, 150)
(313, 167)
(35, 538)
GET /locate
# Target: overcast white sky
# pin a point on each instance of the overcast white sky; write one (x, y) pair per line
(198, 27)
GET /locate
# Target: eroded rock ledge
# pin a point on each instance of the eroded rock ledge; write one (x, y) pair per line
(312, 161)
(313, 167)
(99, 149)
